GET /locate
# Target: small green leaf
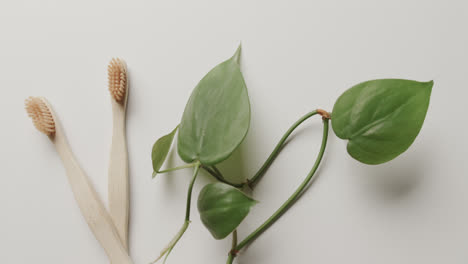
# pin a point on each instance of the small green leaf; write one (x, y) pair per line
(160, 150)
(222, 208)
(381, 118)
(217, 116)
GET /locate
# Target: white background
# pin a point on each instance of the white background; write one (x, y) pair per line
(297, 56)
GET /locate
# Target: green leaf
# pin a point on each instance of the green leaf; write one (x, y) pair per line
(222, 208)
(160, 150)
(381, 118)
(217, 116)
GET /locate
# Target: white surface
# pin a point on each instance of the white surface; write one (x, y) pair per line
(297, 55)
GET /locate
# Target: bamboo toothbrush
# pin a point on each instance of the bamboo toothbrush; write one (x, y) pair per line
(91, 207)
(118, 163)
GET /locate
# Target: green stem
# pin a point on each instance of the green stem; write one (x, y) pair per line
(189, 192)
(217, 174)
(293, 197)
(277, 149)
(230, 258)
(167, 250)
(232, 253)
(174, 241)
(234, 239)
(217, 170)
(190, 165)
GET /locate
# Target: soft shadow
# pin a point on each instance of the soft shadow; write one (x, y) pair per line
(393, 181)
(128, 115)
(170, 163)
(233, 168)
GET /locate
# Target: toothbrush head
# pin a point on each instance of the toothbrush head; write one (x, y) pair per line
(117, 72)
(41, 115)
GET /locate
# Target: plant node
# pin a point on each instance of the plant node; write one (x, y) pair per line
(234, 252)
(325, 115)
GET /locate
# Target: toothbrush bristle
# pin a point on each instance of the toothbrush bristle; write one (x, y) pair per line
(41, 115)
(117, 79)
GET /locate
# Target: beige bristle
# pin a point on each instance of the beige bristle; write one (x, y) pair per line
(41, 115)
(117, 79)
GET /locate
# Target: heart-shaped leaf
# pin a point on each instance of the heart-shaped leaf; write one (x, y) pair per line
(217, 116)
(222, 208)
(381, 118)
(160, 150)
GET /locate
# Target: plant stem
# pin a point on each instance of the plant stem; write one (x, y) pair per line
(234, 239)
(190, 165)
(217, 174)
(167, 250)
(232, 253)
(230, 258)
(217, 170)
(292, 198)
(189, 192)
(253, 181)
(187, 210)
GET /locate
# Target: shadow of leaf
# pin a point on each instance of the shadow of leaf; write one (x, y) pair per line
(233, 168)
(393, 181)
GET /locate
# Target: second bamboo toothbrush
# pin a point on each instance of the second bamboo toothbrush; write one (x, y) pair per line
(118, 165)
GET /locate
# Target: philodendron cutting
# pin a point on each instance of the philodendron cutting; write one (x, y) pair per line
(380, 119)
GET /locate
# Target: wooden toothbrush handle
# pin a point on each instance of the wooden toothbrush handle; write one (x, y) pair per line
(91, 207)
(118, 189)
